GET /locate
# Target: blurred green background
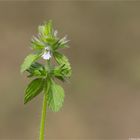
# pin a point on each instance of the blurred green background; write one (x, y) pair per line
(103, 96)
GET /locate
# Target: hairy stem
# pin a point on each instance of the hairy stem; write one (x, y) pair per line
(43, 118)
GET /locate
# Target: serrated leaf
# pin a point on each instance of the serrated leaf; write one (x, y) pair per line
(33, 89)
(55, 97)
(62, 60)
(61, 72)
(37, 69)
(28, 61)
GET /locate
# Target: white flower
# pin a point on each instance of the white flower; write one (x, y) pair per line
(46, 55)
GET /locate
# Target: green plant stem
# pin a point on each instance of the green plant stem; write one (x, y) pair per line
(43, 118)
(44, 108)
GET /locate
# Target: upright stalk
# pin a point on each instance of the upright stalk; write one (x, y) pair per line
(44, 109)
(43, 117)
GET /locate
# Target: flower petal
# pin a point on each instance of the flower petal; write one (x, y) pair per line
(46, 55)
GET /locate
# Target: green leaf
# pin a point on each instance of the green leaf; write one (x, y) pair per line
(46, 29)
(33, 89)
(37, 69)
(28, 61)
(55, 97)
(49, 28)
(37, 44)
(61, 72)
(60, 58)
(57, 44)
(63, 42)
(63, 61)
